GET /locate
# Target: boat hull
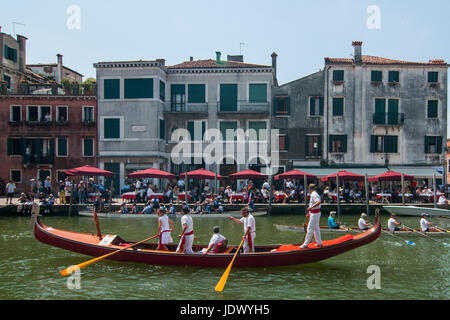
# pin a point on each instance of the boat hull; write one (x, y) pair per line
(416, 211)
(88, 244)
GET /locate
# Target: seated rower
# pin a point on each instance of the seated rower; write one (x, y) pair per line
(425, 225)
(392, 224)
(217, 244)
(362, 223)
(332, 224)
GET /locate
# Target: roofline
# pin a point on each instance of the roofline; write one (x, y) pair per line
(51, 64)
(302, 78)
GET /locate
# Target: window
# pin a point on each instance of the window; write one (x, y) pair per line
(257, 130)
(196, 93)
(33, 113)
(282, 105)
(391, 117)
(432, 109)
(228, 97)
(338, 75)
(315, 106)
(394, 76)
(196, 130)
(162, 129)
(62, 147)
(338, 107)
(111, 128)
(88, 114)
(228, 130)
(88, 147)
(433, 77)
(384, 144)
(45, 114)
(111, 88)
(16, 113)
(162, 91)
(257, 92)
(16, 176)
(178, 97)
(376, 76)
(433, 144)
(337, 143)
(313, 146)
(14, 146)
(138, 88)
(61, 114)
(283, 143)
(10, 53)
(8, 81)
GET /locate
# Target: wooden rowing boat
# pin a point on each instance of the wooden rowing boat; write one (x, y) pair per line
(416, 211)
(264, 255)
(325, 229)
(236, 214)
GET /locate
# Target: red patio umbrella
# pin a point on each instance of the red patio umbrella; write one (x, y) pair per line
(88, 171)
(343, 175)
(390, 176)
(151, 173)
(248, 174)
(201, 174)
(295, 174)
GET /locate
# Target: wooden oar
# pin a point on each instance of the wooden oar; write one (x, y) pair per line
(223, 280)
(71, 269)
(407, 241)
(423, 234)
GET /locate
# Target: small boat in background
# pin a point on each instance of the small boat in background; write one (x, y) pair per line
(416, 211)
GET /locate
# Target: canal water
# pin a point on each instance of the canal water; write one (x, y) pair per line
(30, 269)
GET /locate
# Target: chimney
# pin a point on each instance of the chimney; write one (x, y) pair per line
(59, 68)
(218, 53)
(357, 46)
(162, 61)
(22, 52)
(274, 66)
(191, 58)
(237, 58)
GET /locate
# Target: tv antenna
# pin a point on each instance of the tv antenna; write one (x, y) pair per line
(14, 27)
(240, 47)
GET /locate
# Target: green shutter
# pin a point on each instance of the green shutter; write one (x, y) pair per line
(62, 146)
(228, 97)
(376, 76)
(162, 91)
(88, 147)
(111, 88)
(394, 76)
(380, 111)
(393, 111)
(432, 111)
(439, 144)
(51, 151)
(257, 126)
(433, 76)
(177, 89)
(162, 129)
(321, 106)
(138, 88)
(330, 143)
(319, 146)
(312, 106)
(286, 143)
(338, 106)
(9, 146)
(344, 143)
(258, 92)
(306, 146)
(111, 128)
(224, 125)
(196, 93)
(394, 144)
(288, 105)
(373, 143)
(390, 144)
(338, 75)
(191, 129)
(426, 145)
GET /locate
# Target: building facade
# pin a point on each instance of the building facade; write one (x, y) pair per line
(141, 103)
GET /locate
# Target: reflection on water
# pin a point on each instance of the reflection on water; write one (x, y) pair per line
(29, 269)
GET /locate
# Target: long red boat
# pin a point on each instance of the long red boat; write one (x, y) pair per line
(264, 255)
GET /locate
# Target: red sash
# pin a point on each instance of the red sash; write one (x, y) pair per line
(160, 235)
(249, 242)
(314, 210)
(183, 240)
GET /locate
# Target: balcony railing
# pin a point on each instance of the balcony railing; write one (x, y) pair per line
(186, 107)
(244, 106)
(388, 118)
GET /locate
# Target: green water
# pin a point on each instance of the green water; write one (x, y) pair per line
(29, 269)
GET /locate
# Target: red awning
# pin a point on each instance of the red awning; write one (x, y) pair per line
(201, 174)
(295, 174)
(343, 175)
(247, 174)
(390, 176)
(151, 173)
(88, 171)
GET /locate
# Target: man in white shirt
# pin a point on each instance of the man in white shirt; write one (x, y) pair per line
(217, 243)
(181, 184)
(249, 229)
(424, 224)
(10, 188)
(187, 233)
(392, 224)
(314, 219)
(362, 223)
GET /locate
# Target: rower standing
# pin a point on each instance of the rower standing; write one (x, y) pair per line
(362, 223)
(249, 228)
(314, 218)
(165, 226)
(187, 233)
(392, 224)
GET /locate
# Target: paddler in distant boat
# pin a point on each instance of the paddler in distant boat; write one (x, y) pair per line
(362, 223)
(249, 228)
(332, 224)
(187, 233)
(425, 225)
(314, 218)
(165, 226)
(392, 224)
(217, 244)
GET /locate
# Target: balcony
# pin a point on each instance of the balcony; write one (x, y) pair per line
(176, 107)
(244, 106)
(388, 119)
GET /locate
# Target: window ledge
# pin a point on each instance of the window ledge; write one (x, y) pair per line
(434, 84)
(377, 83)
(393, 83)
(338, 83)
(316, 116)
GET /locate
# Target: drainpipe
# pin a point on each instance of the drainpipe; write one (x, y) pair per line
(327, 111)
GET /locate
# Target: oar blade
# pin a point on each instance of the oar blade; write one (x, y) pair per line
(223, 280)
(68, 271)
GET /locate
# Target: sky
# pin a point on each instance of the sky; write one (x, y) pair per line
(301, 32)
